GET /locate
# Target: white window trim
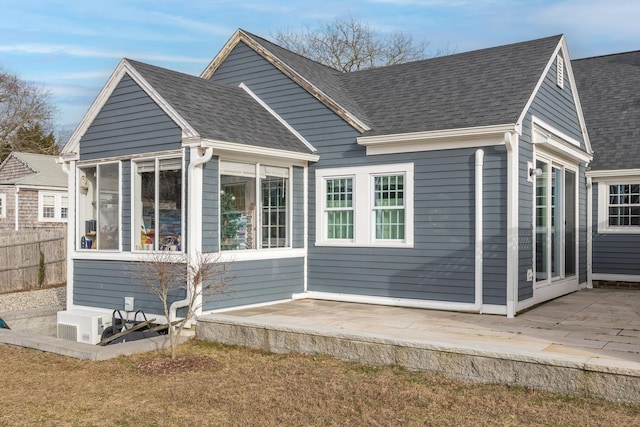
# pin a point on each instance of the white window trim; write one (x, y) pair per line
(364, 228)
(603, 207)
(3, 205)
(57, 207)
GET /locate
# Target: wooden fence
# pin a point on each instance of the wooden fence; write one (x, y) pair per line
(23, 253)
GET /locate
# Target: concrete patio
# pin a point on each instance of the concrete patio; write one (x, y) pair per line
(586, 343)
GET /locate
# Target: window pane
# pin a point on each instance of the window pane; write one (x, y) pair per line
(389, 207)
(339, 208)
(48, 206)
(109, 206)
(237, 206)
(169, 205)
(87, 207)
(542, 189)
(145, 205)
(273, 186)
(624, 204)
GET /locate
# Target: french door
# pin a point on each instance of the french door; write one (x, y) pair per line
(555, 222)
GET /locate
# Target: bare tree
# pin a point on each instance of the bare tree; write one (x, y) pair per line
(201, 276)
(23, 108)
(351, 45)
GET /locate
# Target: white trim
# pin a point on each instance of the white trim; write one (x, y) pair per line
(481, 136)
(603, 226)
(223, 147)
(363, 234)
(397, 302)
(278, 117)
(224, 256)
(512, 142)
(479, 223)
(3, 205)
(305, 209)
(71, 171)
(556, 289)
(613, 173)
(554, 140)
(589, 184)
(616, 277)
(132, 157)
(245, 307)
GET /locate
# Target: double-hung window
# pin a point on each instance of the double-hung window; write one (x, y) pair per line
(254, 206)
(52, 206)
(157, 204)
(619, 206)
(365, 206)
(3, 205)
(99, 206)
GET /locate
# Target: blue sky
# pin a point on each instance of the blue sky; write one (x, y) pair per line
(70, 47)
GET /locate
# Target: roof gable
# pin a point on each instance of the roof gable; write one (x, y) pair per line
(40, 170)
(608, 88)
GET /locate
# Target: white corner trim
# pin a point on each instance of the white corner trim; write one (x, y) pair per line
(124, 67)
(278, 117)
(481, 136)
(479, 220)
(245, 149)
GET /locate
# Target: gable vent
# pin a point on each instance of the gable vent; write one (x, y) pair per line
(560, 71)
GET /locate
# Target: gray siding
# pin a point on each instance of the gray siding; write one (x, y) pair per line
(556, 107)
(613, 253)
(104, 284)
(130, 122)
(255, 282)
(210, 214)
(441, 266)
(298, 208)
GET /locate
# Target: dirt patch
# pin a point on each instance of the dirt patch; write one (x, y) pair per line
(164, 365)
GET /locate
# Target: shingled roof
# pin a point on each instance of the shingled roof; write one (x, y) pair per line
(219, 112)
(479, 88)
(608, 89)
(45, 171)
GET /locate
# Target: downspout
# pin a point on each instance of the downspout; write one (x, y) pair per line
(479, 230)
(16, 205)
(511, 143)
(71, 227)
(589, 233)
(194, 223)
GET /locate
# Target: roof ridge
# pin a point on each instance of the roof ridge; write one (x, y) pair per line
(606, 55)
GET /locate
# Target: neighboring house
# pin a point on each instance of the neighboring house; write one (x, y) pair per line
(608, 87)
(33, 192)
(453, 183)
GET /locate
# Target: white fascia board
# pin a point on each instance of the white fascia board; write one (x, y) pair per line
(481, 136)
(244, 149)
(613, 173)
(278, 117)
(71, 147)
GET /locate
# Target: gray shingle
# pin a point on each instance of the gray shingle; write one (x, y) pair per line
(219, 112)
(47, 173)
(608, 87)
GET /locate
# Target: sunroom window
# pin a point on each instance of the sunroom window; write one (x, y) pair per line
(254, 207)
(99, 206)
(157, 204)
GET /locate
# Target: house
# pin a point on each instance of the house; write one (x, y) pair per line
(608, 87)
(453, 183)
(33, 192)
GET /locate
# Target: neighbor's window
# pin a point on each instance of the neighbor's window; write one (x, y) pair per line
(99, 206)
(52, 206)
(365, 206)
(157, 204)
(254, 207)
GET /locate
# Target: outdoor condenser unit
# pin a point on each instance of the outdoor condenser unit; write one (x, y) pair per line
(82, 325)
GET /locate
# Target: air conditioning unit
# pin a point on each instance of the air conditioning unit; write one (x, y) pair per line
(82, 325)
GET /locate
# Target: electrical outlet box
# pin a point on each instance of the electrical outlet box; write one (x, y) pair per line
(529, 275)
(128, 303)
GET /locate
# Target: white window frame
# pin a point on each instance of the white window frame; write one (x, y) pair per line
(57, 206)
(257, 164)
(603, 207)
(3, 205)
(363, 205)
(135, 233)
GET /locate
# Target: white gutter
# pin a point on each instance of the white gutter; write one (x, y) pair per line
(194, 225)
(589, 232)
(479, 231)
(71, 226)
